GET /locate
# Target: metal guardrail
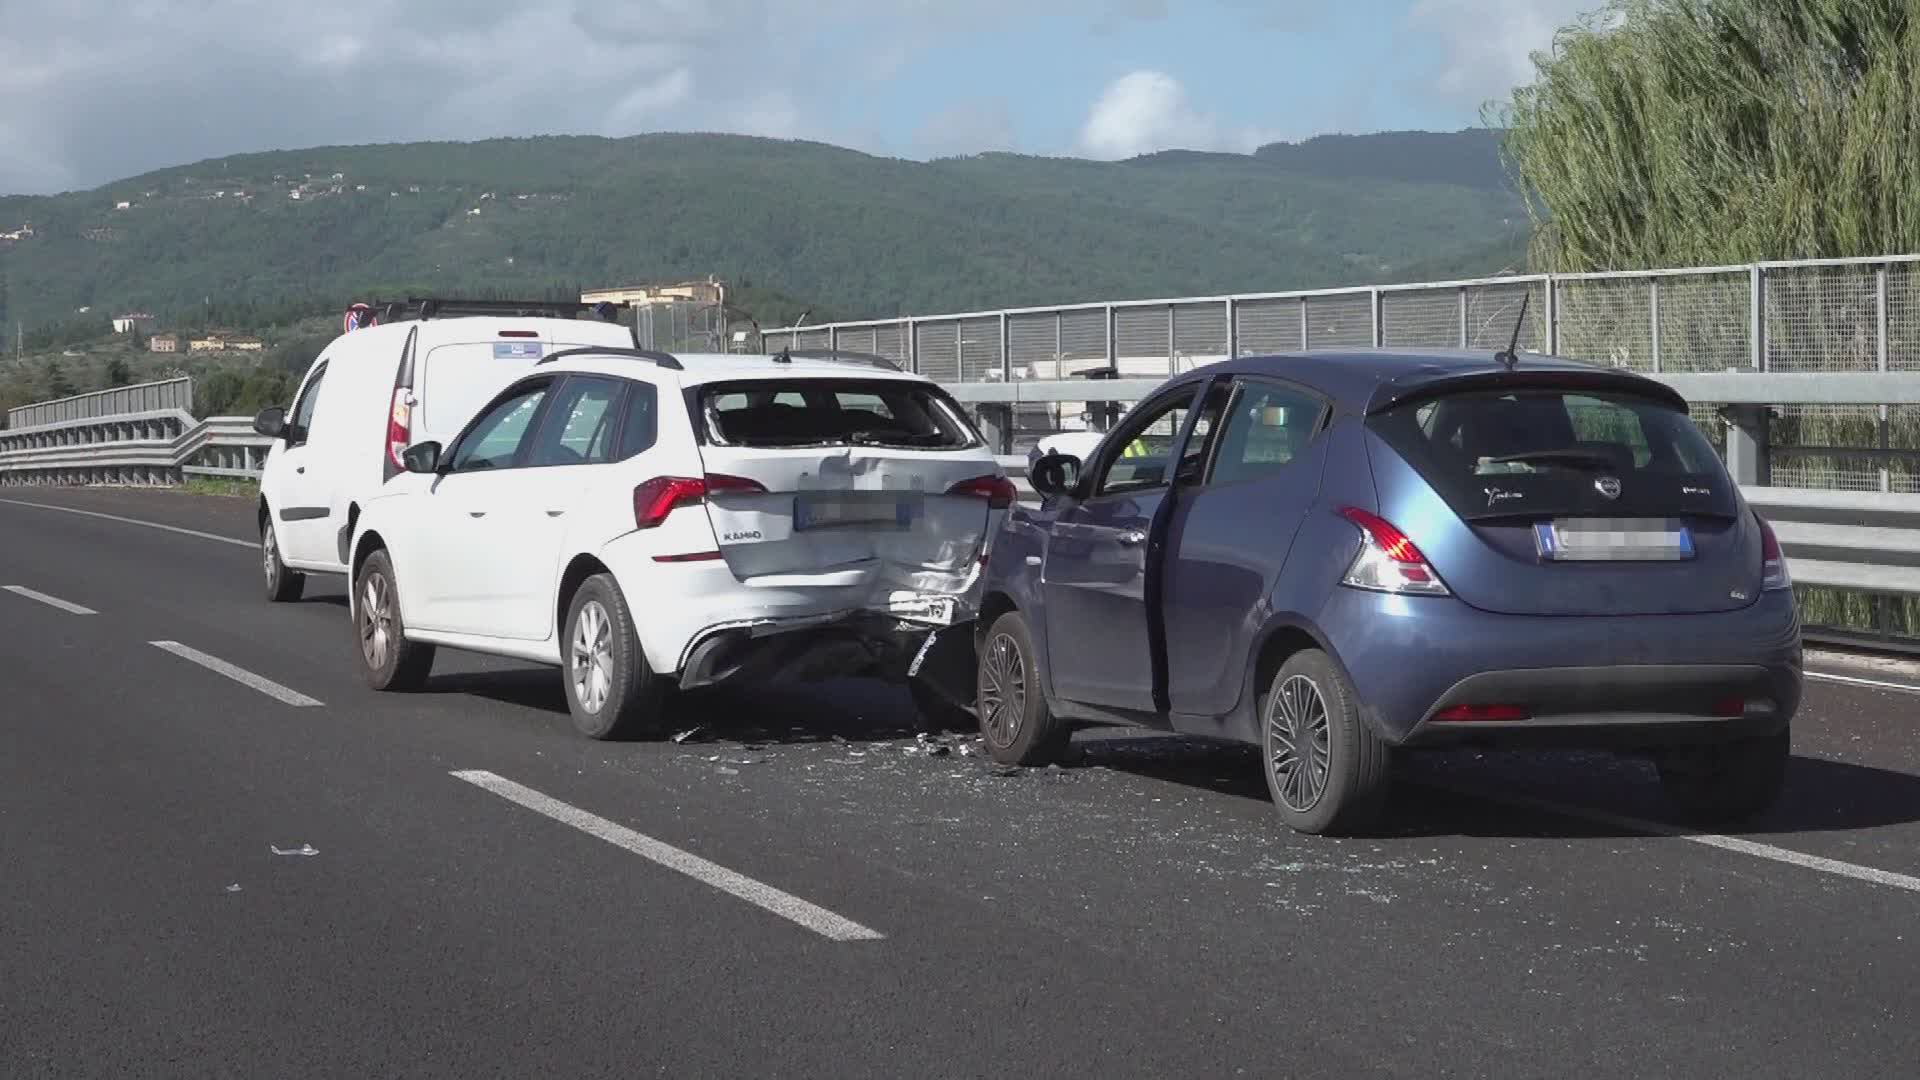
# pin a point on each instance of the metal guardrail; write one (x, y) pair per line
(163, 396)
(156, 441)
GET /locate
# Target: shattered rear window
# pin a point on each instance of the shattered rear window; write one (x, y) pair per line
(834, 412)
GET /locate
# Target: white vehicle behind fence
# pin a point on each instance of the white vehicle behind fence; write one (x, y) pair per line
(651, 522)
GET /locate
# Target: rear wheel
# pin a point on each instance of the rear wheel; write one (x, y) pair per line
(1727, 782)
(1328, 772)
(1015, 722)
(611, 690)
(389, 660)
(283, 584)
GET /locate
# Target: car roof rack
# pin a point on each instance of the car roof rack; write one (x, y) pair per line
(446, 307)
(660, 359)
(841, 356)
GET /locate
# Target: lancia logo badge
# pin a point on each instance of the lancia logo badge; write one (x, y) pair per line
(1608, 486)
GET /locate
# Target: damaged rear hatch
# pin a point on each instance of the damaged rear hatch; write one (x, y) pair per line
(878, 488)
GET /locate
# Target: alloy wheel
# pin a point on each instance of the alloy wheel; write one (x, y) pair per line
(590, 661)
(1297, 743)
(1003, 690)
(376, 620)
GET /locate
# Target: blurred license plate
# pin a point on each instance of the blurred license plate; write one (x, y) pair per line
(839, 510)
(1613, 540)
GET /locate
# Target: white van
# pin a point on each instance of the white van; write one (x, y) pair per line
(418, 375)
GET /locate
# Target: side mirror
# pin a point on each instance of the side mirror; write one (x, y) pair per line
(422, 457)
(1055, 474)
(271, 422)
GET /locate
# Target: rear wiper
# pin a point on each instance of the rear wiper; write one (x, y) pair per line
(1572, 459)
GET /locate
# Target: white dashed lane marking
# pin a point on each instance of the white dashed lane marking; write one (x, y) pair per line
(67, 606)
(787, 906)
(237, 674)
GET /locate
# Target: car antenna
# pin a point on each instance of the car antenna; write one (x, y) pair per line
(1511, 356)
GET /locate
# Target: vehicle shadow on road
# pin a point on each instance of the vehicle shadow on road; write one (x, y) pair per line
(1495, 795)
(853, 710)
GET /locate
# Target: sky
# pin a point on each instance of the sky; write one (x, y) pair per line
(93, 91)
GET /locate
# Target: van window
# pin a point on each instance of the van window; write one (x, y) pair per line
(834, 412)
(303, 410)
(1539, 453)
(456, 380)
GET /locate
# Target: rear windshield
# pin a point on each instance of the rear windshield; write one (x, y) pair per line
(832, 412)
(1542, 453)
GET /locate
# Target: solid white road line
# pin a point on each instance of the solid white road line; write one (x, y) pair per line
(1713, 840)
(815, 918)
(237, 674)
(1853, 680)
(50, 601)
(134, 521)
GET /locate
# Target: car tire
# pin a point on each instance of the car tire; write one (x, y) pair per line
(612, 692)
(1016, 725)
(388, 659)
(283, 584)
(1726, 782)
(1339, 787)
(937, 712)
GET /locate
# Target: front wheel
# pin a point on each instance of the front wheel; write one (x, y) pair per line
(1326, 769)
(1728, 782)
(611, 690)
(387, 658)
(283, 584)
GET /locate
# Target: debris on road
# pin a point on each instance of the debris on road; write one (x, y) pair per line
(303, 849)
(728, 771)
(696, 732)
(233, 888)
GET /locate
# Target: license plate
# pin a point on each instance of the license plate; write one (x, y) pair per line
(1613, 540)
(839, 511)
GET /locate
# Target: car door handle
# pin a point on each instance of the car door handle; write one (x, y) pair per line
(476, 513)
(555, 513)
(1132, 537)
(301, 469)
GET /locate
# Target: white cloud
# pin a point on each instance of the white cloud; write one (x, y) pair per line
(88, 102)
(1145, 111)
(1487, 45)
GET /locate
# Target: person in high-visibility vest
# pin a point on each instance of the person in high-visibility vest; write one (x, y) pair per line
(1136, 448)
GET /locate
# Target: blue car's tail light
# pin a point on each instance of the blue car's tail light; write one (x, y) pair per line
(1388, 561)
(1773, 564)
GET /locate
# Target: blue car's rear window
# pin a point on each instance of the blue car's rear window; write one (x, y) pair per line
(1546, 453)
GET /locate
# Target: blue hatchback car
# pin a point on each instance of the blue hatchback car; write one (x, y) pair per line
(1333, 555)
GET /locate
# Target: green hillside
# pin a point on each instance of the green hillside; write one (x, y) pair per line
(796, 223)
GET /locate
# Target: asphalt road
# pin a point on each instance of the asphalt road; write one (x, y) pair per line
(804, 889)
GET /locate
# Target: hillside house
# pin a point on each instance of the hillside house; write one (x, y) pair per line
(167, 343)
(128, 323)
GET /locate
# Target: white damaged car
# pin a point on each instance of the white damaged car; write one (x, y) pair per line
(650, 522)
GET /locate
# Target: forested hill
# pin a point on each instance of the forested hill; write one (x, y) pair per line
(852, 234)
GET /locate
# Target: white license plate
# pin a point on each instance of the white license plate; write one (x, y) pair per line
(840, 510)
(1613, 540)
